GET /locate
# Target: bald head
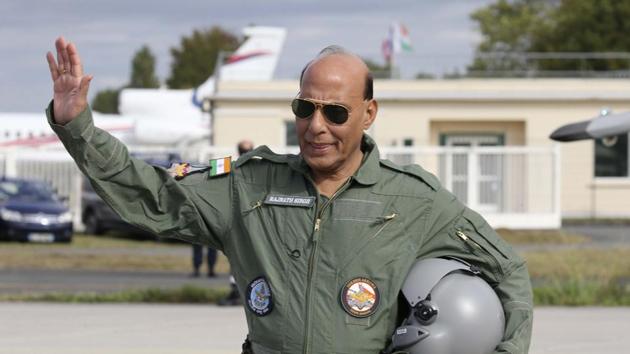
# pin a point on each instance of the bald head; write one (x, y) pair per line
(348, 61)
(245, 146)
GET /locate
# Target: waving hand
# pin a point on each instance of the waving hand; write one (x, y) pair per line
(70, 85)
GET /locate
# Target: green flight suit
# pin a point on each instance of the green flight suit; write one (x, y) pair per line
(374, 227)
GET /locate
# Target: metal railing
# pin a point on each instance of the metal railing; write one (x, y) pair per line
(515, 187)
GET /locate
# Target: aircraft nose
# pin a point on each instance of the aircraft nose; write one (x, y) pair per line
(572, 132)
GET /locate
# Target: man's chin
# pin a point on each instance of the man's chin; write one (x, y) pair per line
(318, 163)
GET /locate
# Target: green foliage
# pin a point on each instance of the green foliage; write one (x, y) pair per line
(106, 101)
(186, 295)
(378, 71)
(143, 69)
(587, 26)
(578, 292)
(510, 28)
(195, 58)
(506, 27)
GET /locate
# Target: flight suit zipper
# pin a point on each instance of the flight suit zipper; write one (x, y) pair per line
(313, 260)
(485, 254)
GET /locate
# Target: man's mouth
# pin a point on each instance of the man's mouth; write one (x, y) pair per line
(319, 147)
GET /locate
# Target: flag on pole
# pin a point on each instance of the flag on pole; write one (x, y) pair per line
(404, 39)
(397, 41)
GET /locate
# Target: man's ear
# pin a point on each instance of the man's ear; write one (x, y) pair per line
(370, 114)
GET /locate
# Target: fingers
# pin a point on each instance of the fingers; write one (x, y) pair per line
(85, 85)
(75, 61)
(54, 71)
(60, 45)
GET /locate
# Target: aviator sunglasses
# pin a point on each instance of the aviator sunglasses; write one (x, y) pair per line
(335, 113)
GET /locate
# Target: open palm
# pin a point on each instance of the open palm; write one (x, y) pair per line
(70, 85)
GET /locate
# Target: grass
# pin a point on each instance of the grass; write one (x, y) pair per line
(541, 237)
(582, 293)
(595, 221)
(589, 264)
(187, 294)
(578, 277)
(102, 253)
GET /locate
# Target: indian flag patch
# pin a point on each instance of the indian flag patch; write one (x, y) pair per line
(220, 166)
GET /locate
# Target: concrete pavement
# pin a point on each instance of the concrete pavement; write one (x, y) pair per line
(43, 328)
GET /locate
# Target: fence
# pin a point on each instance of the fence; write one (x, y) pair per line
(513, 187)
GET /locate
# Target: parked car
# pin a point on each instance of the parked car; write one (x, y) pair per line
(31, 211)
(98, 218)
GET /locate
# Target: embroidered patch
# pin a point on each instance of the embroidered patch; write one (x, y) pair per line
(259, 299)
(360, 297)
(288, 200)
(183, 169)
(220, 166)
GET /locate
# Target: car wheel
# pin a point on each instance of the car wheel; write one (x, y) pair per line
(92, 226)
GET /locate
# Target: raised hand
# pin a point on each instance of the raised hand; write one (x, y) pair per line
(69, 84)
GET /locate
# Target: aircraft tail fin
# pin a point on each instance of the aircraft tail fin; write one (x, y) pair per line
(255, 60)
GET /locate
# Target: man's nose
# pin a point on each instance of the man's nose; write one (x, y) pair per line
(317, 121)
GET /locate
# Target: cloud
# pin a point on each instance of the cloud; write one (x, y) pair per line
(108, 32)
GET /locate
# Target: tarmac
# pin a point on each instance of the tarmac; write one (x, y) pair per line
(45, 328)
(49, 328)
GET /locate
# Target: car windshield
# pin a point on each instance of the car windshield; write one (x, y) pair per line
(26, 191)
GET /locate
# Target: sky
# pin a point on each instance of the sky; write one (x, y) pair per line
(109, 32)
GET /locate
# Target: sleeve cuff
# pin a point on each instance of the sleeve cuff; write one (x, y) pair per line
(73, 129)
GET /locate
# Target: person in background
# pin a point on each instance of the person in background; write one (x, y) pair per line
(197, 260)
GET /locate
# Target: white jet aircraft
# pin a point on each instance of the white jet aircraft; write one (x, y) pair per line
(161, 117)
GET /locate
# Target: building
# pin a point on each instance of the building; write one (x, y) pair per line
(487, 139)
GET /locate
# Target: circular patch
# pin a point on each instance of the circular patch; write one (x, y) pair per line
(259, 299)
(359, 297)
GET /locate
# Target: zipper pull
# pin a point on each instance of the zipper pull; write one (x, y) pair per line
(317, 222)
(384, 219)
(461, 235)
(467, 239)
(258, 204)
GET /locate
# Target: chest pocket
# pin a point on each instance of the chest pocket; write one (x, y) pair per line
(274, 224)
(361, 226)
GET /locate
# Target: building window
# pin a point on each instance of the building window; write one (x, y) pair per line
(291, 138)
(611, 156)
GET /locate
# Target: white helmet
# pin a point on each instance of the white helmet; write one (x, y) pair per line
(451, 311)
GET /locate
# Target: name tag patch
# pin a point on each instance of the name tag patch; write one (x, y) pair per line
(288, 200)
(259, 299)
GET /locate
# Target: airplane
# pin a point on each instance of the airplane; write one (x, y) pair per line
(162, 117)
(605, 126)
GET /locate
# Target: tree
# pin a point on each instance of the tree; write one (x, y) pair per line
(511, 28)
(587, 26)
(143, 70)
(507, 28)
(378, 71)
(106, 101)
(195, 59)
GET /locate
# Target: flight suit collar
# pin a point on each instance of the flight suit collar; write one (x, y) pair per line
(368, 172)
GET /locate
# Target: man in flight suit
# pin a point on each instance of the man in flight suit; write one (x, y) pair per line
(319, 243)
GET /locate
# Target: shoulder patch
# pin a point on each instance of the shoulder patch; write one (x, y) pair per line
(261, 153)
(183, 169)
(415, 171)
(220, 166)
